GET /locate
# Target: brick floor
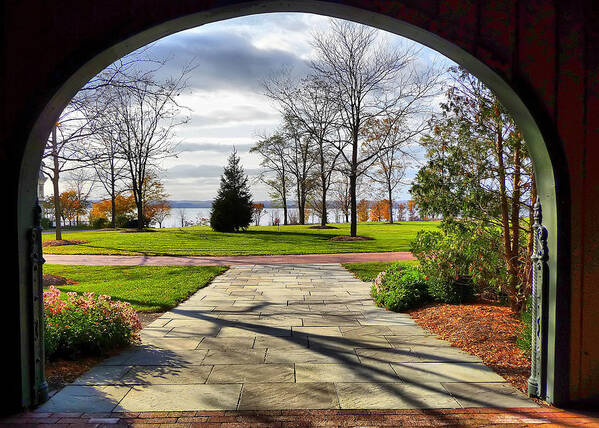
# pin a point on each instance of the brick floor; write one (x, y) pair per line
(309, 418)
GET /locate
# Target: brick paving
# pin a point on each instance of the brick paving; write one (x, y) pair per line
(539, 417)
(226, 260)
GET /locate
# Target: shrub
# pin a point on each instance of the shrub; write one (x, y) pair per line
(400, 288)
(99, 223)
(86, 324)
(452, 291)
(461, 260)
(524, 340)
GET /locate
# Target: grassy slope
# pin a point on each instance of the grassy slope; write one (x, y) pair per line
(147, 288)
(202, 241)
(369, 270)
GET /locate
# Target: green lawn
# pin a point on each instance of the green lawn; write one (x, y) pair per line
(147, 288)
(369, 270)
(202, 241)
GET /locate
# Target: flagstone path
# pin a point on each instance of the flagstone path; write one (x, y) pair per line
(268, 337)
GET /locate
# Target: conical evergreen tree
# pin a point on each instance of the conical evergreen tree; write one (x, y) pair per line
(232, 208)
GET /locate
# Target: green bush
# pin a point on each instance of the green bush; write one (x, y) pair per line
(400, 288)
(86, 325)
(524, 340)
(462, 259)
(452, 291)
(99, 223)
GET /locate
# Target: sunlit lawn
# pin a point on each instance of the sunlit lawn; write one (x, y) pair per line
(368, 271)
(147, 288)
(202, 241)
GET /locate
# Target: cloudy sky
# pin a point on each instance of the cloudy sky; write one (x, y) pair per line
(225, 97)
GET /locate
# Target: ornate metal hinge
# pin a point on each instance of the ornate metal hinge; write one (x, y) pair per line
(40, 387)
(539, 275)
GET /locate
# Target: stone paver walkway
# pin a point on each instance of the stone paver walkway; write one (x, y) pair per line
(269, 337)
(227, 260)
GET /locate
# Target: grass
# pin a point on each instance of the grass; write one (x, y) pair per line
(368, 271)
(260, 240)
(147, 288)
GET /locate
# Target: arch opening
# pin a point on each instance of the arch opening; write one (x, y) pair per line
(549, 180)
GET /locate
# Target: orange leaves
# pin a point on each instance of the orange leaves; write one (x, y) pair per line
(487, 331)
(103, 209)
(379, 210)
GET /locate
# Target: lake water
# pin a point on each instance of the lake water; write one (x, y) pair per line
(201, 216)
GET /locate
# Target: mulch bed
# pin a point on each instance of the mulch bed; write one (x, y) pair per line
(351, 238)
(60, 242)
(487, 331)
(323, 227)
(137, 231)
(61, 372)
(56, 280)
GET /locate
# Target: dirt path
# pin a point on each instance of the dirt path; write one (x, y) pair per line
(226, 260)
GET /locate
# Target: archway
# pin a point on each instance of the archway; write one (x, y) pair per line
(549, 164)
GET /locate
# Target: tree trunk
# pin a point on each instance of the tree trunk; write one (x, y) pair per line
(140, 216)
(505, 223)
(390, 204)
(112, 197)
(323, 217)
(55, 178)
(353, 228)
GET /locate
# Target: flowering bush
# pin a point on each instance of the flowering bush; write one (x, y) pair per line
(400, 288)
(86, 324)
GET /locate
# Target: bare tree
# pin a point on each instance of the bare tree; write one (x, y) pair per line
(301, 162)
(147, 114)
(310, 103)
(182, 216)
(82, 181)
(273, 151)
(65, 151)
(389, 168)
(368, 81)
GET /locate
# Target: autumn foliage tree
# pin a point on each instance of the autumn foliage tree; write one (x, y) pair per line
(71, 206)
(379, 211)
(124, 208)
(362, 207)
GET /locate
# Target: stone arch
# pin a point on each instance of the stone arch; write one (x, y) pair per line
(471, 35)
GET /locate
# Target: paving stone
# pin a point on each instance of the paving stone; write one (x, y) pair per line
(244, 373)
(225, 343)
(374, 330)
(310, 356)
(91, 399)
(349, 343)
(368, 395)
(245, 356)
(157, 375)
(254, 331)
(488, 395)
(314, 395)
(173, 343)
(317, 331)
(292, 342)
(345, 372)
(445, 372)
(102, 375)
(158, 398)
(387, 355)
(152, 356)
